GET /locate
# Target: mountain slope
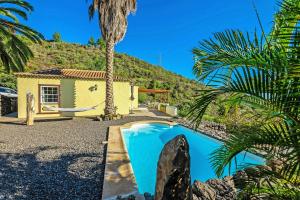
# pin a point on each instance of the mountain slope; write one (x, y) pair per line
(66, 55)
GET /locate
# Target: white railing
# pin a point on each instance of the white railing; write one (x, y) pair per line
(166, 108)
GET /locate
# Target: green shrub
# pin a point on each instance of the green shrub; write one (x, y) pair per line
(143, 98)
(7, 80)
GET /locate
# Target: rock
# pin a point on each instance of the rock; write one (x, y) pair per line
(224, 188)
(98, 118)
(130, 197)
(202, 191)
(240, 179)
(254, 173)
(148, 196)
(209, 128)
(8, 105)
(215, 189)
(275, 164)
(173, 179)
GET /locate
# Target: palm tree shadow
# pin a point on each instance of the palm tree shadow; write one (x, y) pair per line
(26, 175)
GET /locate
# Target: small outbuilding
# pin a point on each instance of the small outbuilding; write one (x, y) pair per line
(57, 89)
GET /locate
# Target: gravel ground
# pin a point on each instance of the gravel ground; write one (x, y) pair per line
(54, 159)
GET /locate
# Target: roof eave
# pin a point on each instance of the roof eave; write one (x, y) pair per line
(29, 75)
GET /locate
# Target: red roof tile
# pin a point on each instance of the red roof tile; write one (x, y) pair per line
(68, 73)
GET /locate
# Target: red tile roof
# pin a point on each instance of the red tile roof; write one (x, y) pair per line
(68, 73)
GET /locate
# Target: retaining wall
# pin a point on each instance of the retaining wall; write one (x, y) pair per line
(8, 105)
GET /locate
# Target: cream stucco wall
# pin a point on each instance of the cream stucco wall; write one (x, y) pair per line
(136, 97)
(32, 85)
(85, 96)
(76, 94)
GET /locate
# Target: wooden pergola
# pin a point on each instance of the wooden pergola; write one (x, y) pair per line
(164, 93)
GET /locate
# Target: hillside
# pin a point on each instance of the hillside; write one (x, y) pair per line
(66, 55)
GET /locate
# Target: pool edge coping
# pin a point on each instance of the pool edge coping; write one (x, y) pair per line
(118, 171)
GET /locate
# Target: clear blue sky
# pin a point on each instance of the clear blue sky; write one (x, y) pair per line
(162, 31)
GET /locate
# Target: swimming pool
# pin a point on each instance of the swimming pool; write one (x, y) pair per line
(144, 143)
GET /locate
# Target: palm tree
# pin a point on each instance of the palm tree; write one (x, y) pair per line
(262, 73)
(14, 52)
(113, 24)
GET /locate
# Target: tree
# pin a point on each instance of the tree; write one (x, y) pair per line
(91, 41)
(57, 37)
(8, 80)
(152, 84)
(101, 43)
(113, 24)
(263, 76)
(14, 51)
(142, 98)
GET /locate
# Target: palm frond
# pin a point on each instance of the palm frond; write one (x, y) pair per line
(265, 182)
(272, 90)
(112, 17)
(95, 5)
(274, 140)
(286, 27)
(263, 76)
(11, 12)
(14, 51)
(18, 3)
(232, 49)
(286, 19)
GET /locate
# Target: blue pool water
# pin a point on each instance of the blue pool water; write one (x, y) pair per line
(144, 143)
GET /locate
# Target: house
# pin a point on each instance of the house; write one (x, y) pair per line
(70, 88)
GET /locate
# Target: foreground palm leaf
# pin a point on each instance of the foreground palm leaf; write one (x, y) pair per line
(14, 51)
(113, 24)
(286, 32)
(263, 74)
(286, 22)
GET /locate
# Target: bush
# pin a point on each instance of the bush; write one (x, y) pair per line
(143, 98)
(7, 80)
(56, 37)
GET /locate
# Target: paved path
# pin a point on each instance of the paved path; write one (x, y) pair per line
(54, 159)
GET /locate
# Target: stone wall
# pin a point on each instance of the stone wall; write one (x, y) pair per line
(212, 129)
(8, 105)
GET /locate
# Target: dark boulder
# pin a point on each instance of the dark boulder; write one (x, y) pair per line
(215, 189)
(173, 179)
(148, 196)
(240, 179)
(275, 164)
(202, 191)
(224, 188)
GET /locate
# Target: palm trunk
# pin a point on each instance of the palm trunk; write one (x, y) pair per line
(109, 100)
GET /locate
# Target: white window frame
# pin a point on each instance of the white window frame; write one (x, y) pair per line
(42, 94)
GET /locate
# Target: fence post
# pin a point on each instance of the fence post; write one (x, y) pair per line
(30, 109)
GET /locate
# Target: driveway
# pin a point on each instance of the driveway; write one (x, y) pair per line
(54, 159)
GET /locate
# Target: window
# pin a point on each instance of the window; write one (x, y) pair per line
(49, 94)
